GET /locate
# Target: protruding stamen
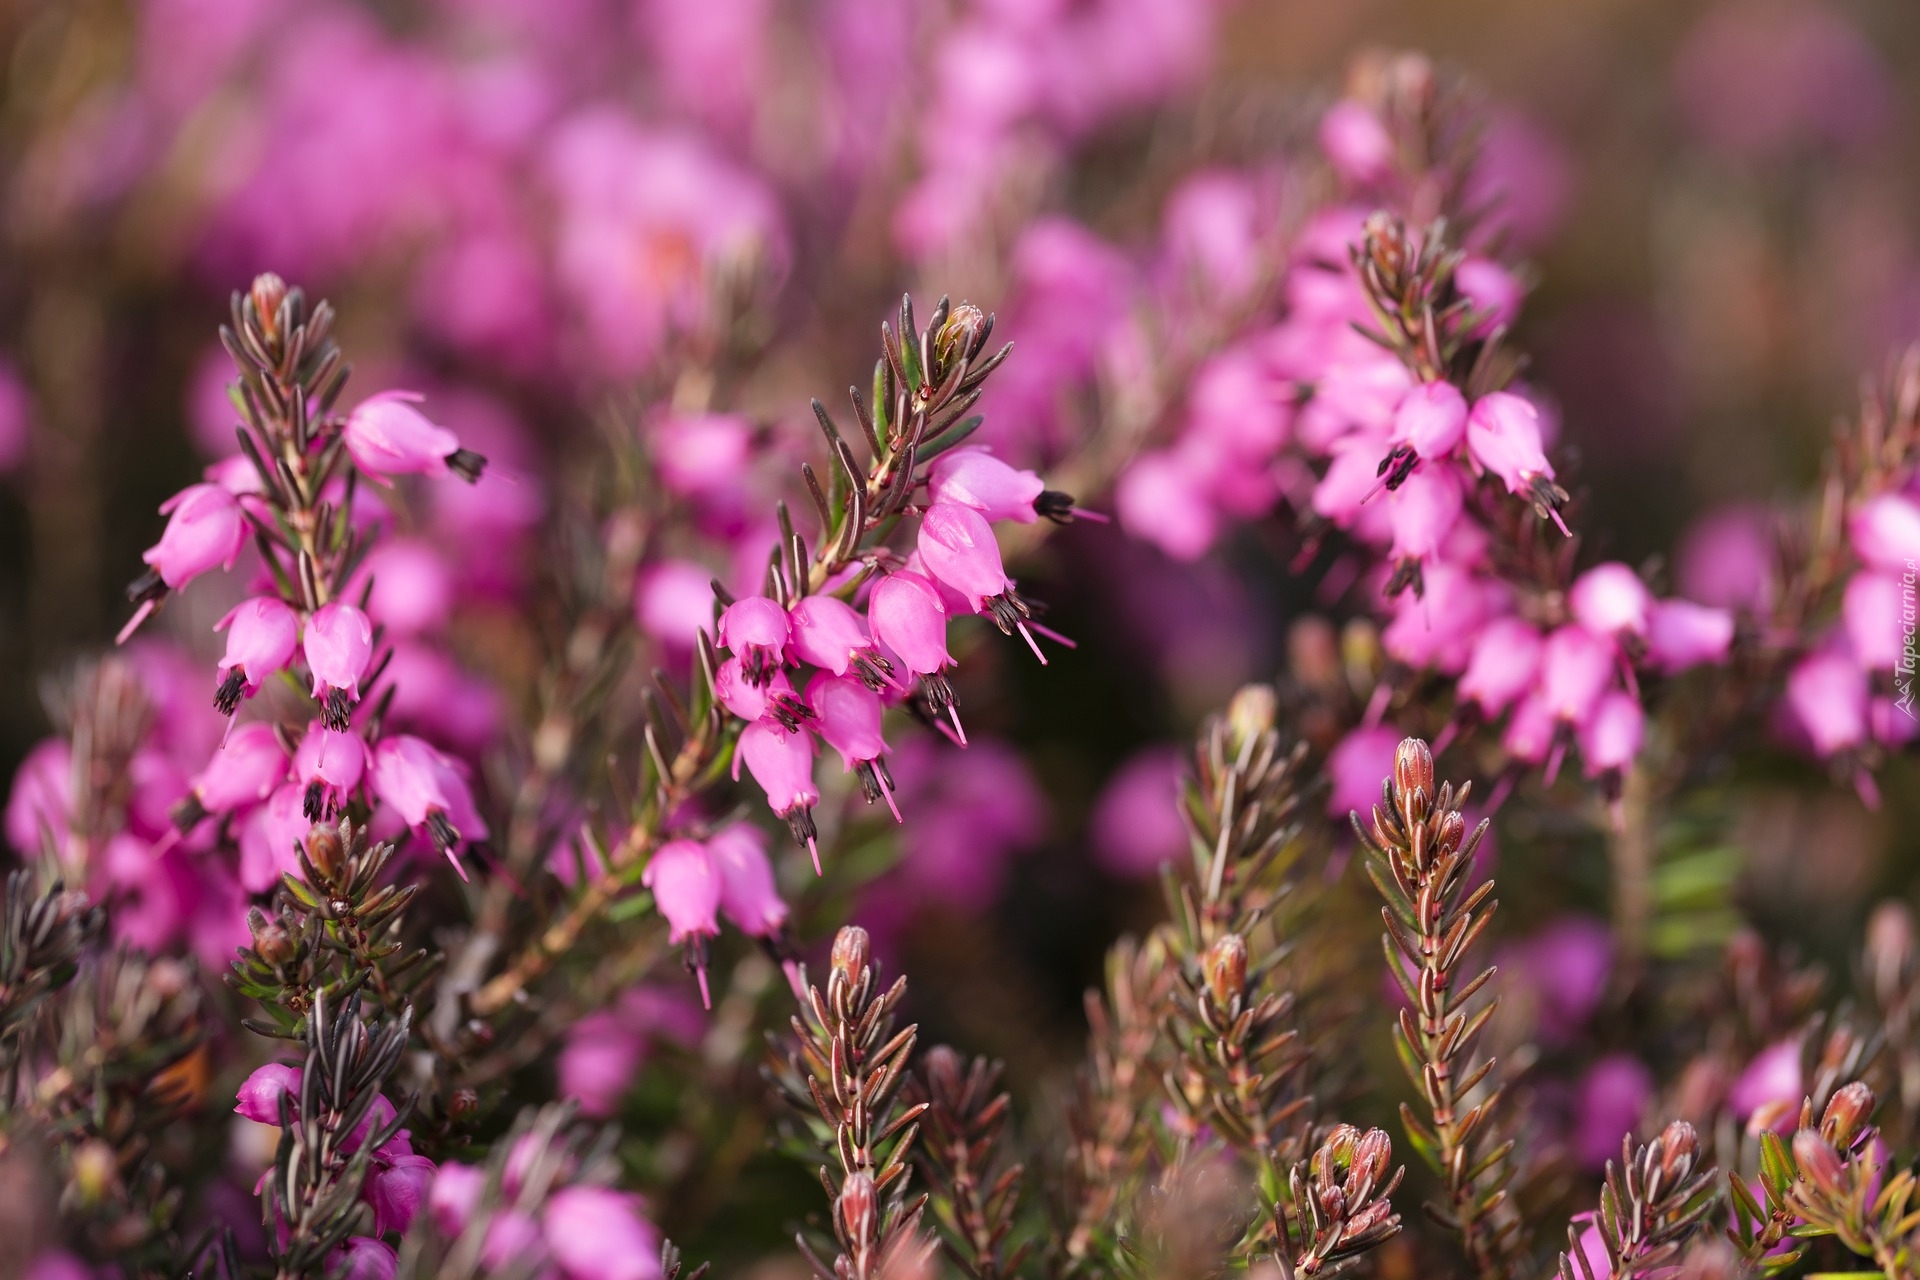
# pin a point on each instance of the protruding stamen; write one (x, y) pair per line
(1031, 642)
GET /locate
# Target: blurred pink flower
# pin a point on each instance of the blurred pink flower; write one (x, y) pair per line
(1136, 826)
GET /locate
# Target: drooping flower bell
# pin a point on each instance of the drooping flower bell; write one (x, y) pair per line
(1429, 423)
(1828, 693)
(775, 700)
(261, 636)
(387, 437)
(848, 715)
(958, 548)
(1682, 634)
(1506, 655)
(1503, 435)
(1886, 533)
(1611, 737)
(260, 1094)
(782, 763)
(598, 1233)
(205, 530)
(686, 888)
(327, 768)
(755, 630)
(1421, 513)
(973, 477)
(906, 615)
(829, 634)
(364, 1258)
(1610, 600)
(339, 647)
(747, 892)
(427, 790)
(243, 771)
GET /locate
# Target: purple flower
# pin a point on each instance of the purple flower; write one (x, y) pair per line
(907, 617)
(1886, 533)
(1136, 827)
(1827, 692)
(206, 530)
(973, 477)
(1158, 498)
(686, 888)
(270, 838)
(782, 763)
(427, 789)
(1503, 435)
(1356, 143)
(387, 436)
(1492, 290)
(243, 771)
(339, 647)
(1575, 667)
(1769, 1091)
(327, 768)
(1727, 559)
(42, 796)
(672, 601)
(1613, 1095)
(827, 633)
(1611, 736)
(1356, 767)
(747, 893)
(1432, 420)
(412, 589)
(1566, 966)
(1682, 634)
(1506, 656)
(364, 1258)
(454, 1195)
(397, 1189)
(958, 548)
(261, 635)
(259, 1097)
(1609, 600)
(702, 455)
(596, 1233)
(755, 630)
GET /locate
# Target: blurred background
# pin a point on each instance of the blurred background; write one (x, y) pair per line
(515, 205)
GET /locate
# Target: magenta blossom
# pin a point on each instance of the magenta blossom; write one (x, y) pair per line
(829, 634)
(747, 893)
(973, 477)
(427, 789)
(907, 616)
(1431, 420)
(1682, 634)
(387, 436)
(270, 838)
(1506, 655)
(847, 714)
(207, 530)
(1613, 1096)
(327, 768)
(782, 763)
(339, 648)
(755, 630)
(1503, 435)
(1886, 533)
(1575, 667)
(597, 1233)
(1611, 736)
(1828, 693)
(396, 1188)
(261, 635)
(1767, 1094)
(259, 1096)
(776, 699)
(686, 887)
(1356, 143)
(364, 1258)
(248, 766)
(42, 797)
(1609, 599)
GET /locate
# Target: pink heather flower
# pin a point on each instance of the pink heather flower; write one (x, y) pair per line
(1564, 967)
(1531, 731)
(387, 436)
(827, 633)
(1431, 420)
(1356, 143)
(454, 1196)
(686, 888)
(673, 601)
(1492, 290)
(1574, 669)
(747, 893)
(1828, 693)
(1682, 634)
(597, 1233)
(1159, 498)
(1612, 1097)
(412, 588)
(973, 477)
(339, 647)
(270, 838)
(327, 768)
(1503, 435)
(1727, 559)
(597, 1064)
(776, 698)
(702, 455)
(397, 1190)
(42, 796)
(1610, 738)
(16, 418)
(248, 766)
(206, 530)
(427, 789)
(1423, 510)
(755, 630)
(847, 714)
(259, 1096)
(1136, 827)
(1886, 533)
(1770, 1089)
(782, 763)
(1609, 599)
(261, 634)
(1871, 610)
(1506, 656)
(1353, 477)
(958, 548)
(512, 1237)
(1356, 767)
(906, 615)
(57, 1265)
(144, 901)
(364, 1258)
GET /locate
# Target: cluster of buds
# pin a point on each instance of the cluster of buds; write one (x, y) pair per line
(858, 625)
(1341, 1199)
(293, 493)
(695, 881)
(1654, 1201)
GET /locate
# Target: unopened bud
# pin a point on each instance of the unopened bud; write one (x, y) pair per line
(1413, 768)
(267, 293)
(1769, 1115)
(326, 852)
(1227, 970)
(1371, 1155)
(463, 1105)
(1252, 713)
(1333, 1157)
(271, 940)
(857, 1207)
(1846, 1112)
(1453, 829)
(959, 336)
(1679, 1147)
(852, 952)
(1889, 950)
(1819, 1162)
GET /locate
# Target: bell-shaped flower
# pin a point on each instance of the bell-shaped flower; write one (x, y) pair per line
(339, 648)
(1682, 634)
(260, 1094)
(1431, 420)
(1531, 730)
(781, 761)
(1871, 610)
(364, 1258)
(597, 1233)
(1503, 435)
(1611, 736)
(1771, 1088)
(1356, 143)
(775, 700)
(848, 714)
(829, 634)
(973, 477)
(906, 615)
(41, 802)
(206, 530)
(1421, 513)
(243, 771)
(270, 839)
(1610, 600)
(686, 888)
(261, 635)
(957, 546)
(1491, 290)
(1885, 533)
(1610, 1102)
(327, 768)
(1827, 692)
(755, 630)
(387, 436)
(454, 1196)
(1506, 656)
(396, 1189)
(1574, 669)
(747, 892)
(429, 791)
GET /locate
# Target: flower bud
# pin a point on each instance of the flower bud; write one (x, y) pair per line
(852, 952)
(1679, 1148)
(1819, 1163)
(326, 852)
(958, 337)
(1848, 1109)
(1252, 713)
(464, 1104)
(266, 295)
(95, 1171)
(1889, 950)
(858, 1205)
(1227, 970)
(1371, 1155)
(271, 940)
(1413, 768)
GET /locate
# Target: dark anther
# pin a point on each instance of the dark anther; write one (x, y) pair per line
(467, 464)
(227, 696)
(800, 822)
(1055, 506)
(443, 832)
(1398, 465)
(148, 586)
(314, 804)
(186, 815)
(335, 710)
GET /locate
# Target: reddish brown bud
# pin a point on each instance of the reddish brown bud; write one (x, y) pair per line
(1889, 950)
(959, 336)
(1453, 829)
(852, 952)
(858, 1208)
(325, 851)
(1252, 713)
(1846, 1112)
(1371, 1155)
(267, 293)
(1413, 768)
(271, 940)
(463, 1105)
(1819, 1162)
(1227, 970)
(1679, 1147)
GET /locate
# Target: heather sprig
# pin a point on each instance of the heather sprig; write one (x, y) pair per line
(1654, 1201)
(973, 1189)
(45, 936)
(1420, 858)
(1342, 1203)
